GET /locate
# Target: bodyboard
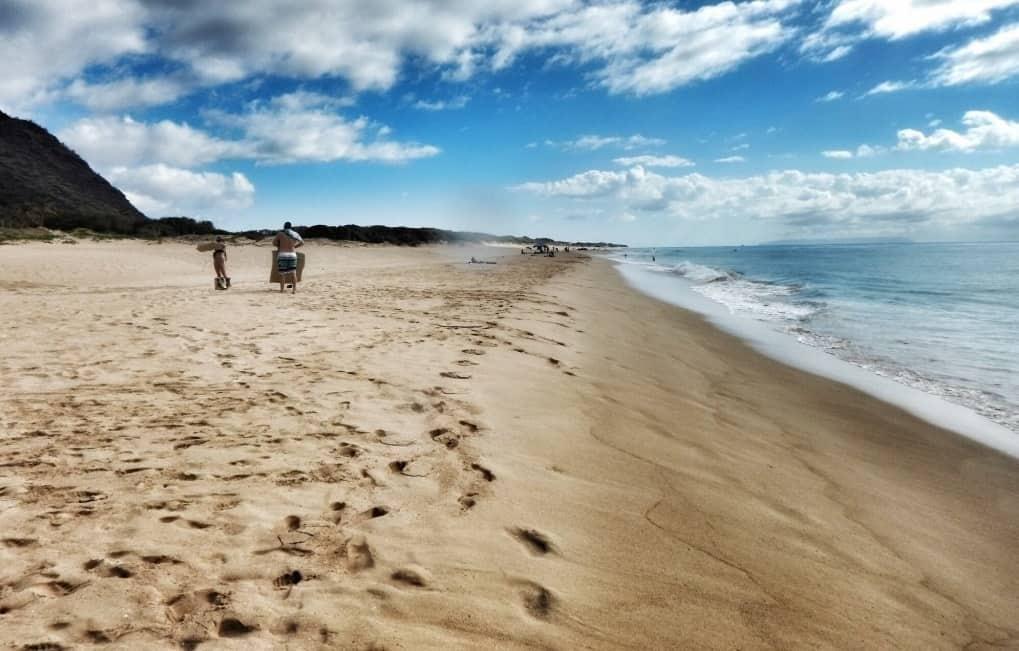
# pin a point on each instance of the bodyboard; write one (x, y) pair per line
(205, 247)
(274, 274)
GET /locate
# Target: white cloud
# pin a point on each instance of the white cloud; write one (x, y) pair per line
(852, 21)
(363, 42)
(889, 87)
(863, 151)
(653, 161)
(297, 127)
(807, 200)
(825, 46)
(126, 93)
(160, 190)
(991, 59)
(593, 142)
(667, 48)
(45, 42)
(903, 18)
(866, 151)
(121, 141)
(442, 105)
(831, 96)
(731, 159)
(301, 130)
(836, 53)
(984, 130)
(625, 45)
(586, 184)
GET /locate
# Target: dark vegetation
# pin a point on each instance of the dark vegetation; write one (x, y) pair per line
(45, 184)
(44, 187)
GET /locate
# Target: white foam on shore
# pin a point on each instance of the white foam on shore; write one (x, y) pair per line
(788, 350)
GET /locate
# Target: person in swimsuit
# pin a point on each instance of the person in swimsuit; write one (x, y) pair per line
(219, 261)
(286, 242)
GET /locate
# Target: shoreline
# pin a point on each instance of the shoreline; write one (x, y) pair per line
(530, 454)
(768, 341)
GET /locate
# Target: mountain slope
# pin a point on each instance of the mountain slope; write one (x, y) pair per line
(43, 183)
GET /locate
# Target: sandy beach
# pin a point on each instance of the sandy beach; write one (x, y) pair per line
(417, 453)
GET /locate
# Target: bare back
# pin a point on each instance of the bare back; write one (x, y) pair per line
(285, 243)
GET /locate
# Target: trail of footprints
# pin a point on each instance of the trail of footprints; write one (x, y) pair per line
(65, 465)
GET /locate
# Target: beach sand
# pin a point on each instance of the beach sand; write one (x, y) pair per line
(413, 453)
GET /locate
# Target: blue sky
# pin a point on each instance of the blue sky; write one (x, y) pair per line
(646, 123)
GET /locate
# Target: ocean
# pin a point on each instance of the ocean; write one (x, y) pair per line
(942, 319)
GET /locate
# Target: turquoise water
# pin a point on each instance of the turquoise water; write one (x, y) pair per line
(941, 318)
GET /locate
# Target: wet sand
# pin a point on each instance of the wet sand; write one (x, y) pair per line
(413, 452)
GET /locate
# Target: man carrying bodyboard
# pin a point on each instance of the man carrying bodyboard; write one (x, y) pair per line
(286, 242)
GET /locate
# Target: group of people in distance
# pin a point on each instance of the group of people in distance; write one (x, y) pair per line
(287, 241)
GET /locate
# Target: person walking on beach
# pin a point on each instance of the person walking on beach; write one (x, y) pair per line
(219, 263)
(286, 242)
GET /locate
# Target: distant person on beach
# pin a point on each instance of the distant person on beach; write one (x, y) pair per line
(286, 242)
(219, 262)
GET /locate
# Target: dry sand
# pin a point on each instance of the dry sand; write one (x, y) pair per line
(417, 453)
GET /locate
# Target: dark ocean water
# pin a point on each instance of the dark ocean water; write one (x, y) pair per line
(941, 318)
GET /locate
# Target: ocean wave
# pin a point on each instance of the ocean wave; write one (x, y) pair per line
(699, 273)
(760, 299)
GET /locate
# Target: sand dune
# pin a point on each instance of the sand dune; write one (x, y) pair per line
(417, 453)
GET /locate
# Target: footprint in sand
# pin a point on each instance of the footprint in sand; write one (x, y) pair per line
(288, 579)
(453, 375)
(358, 554)
(410, 576)
(233, 627)
(445, 437)
(538, 600)
(535, 541)
(485, 472)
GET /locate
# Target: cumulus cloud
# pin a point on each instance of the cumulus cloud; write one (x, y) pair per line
(43, 42)
(625, 45)
(121, 141)
(653, 161)
(126, 93)
(809, 200)
(364, 42)
(654, 49)
(161, 189)
(897, 20)
(593, 183)
(863, 151)
(302, 130)
(292, 128)
(984, 130)
(991, 59)
(852, 21)
(988, 60)
(150, 161)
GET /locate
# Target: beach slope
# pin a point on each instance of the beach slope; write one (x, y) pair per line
(413, 452)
